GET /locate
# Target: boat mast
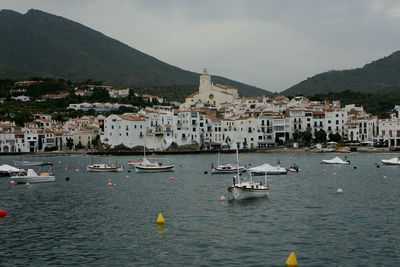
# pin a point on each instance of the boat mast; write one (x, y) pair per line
(237, 165)
(265, 177)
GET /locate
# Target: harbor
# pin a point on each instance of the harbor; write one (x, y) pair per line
(106, 219)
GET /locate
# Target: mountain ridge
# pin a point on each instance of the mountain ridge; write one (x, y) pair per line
(381, 75)
(41, 44)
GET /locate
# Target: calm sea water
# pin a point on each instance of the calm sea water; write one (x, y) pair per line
(84, 222)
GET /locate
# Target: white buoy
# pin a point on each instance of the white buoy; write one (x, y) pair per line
(384, 176)
(339, 190)
(334, 174)
(222, 198)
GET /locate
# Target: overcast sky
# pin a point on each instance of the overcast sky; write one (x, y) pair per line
(269, 44)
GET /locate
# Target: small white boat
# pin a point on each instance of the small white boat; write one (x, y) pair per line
(268, 169)
(31, 176)
(153, 166)
(7, 170)
(134, 163)
(156, 166)
(247, 190)
(240, 190)
(27, 163)
(392, 161)
(228, 168)
(335, 160)
(102, 167)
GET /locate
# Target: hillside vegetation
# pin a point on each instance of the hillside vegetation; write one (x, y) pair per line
(45, 45)
(382, 75)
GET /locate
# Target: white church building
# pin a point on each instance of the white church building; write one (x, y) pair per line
(209, 94)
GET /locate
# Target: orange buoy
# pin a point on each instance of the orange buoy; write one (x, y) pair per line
(3, 213)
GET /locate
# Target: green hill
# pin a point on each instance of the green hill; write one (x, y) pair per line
(45, 45)
(379, 76)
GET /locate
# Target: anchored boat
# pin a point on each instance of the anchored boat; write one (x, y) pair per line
(392, 161)
(240, 190)
(226, 168)
(102, 167)
(31, 176)
(335, 160)
(155, 166)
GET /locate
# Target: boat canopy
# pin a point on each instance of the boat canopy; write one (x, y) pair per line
(8, 168)
(266, 168)
(46, 164)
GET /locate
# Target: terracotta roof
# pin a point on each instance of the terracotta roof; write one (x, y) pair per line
(147, 95)
(131, 118)
(224, 86)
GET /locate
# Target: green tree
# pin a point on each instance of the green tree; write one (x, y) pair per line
(21, 117)
(297, 135)
(307, 136)
(70, 143)
(320, 136)
(335, 137)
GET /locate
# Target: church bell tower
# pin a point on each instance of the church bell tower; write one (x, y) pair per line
(205, 81)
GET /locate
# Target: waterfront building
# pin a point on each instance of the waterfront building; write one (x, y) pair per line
(118, 93)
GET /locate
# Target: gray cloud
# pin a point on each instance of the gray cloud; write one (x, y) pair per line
(270, 44)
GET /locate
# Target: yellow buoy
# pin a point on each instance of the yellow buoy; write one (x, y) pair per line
(160, 219)
(291, 260)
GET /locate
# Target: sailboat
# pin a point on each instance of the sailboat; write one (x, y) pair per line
(103, 167)
(227, 168)
(240, 190)
(153, 166)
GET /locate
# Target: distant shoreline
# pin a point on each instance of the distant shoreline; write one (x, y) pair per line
(127, 153)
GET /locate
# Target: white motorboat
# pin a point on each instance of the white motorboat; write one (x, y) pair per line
(32, 176)
(27, 163)
(268, 169)
(134, 163)
(156, 165)
(226, 168)
(7, 170)
(240, 190)
(392, 161)
(102, 167)
(335, 160)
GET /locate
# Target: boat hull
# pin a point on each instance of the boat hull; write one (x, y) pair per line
(390, 163)
(120, 169)
(33, 179)
(27, 163)
(340, 163)
(269, 173)
(238, 192)
(218, 171)
(167, 168)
